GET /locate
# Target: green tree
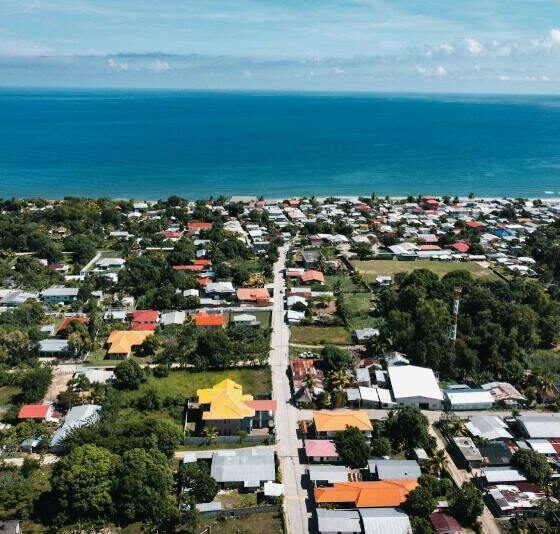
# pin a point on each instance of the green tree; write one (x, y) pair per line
(381, 446)
(467, 504)
(196, 480)
(421, 525)
(144, 481)
(407, 428)
(128, 375)
(82, 483)
(35, 383)
(335, 359)
(352, 447)
(420, 502)
(534, 465)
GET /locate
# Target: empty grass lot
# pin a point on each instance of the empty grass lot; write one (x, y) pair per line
(320, 335)
(373, 268)
(271, 523)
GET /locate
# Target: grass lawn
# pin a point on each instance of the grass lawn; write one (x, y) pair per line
(358, 302)
(262, 316)
(320, 335)
(255, 381)
(295, 352)
(549, 360)
(7, 393)
(372, 268)
(97, 358)
(234, 499)
(271, 523)
(346, 284)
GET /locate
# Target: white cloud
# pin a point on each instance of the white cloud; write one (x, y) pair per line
(247, 74)
(444, 49)
(337, 70)
(19, 48)
(474, 48)
(159, 66)
(440, 71)
(555, 36)
(503, 78)
(423, 71)
(117, 65)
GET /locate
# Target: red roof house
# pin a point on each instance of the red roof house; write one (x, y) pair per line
(460, 247)
(313, 277)
(38, 412)
(67, 320)
(474, 224)
(196, 226)
(444, 523)
(145, 320)
(210, 320)
(258, 295)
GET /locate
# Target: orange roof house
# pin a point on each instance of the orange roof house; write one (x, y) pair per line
(376, 494)
(330, 422)
(195, 268)
(204, 319)
(258, 295)
(68, 320)
(195, 227)
(121, 342)
(35, 411)
(313, 276)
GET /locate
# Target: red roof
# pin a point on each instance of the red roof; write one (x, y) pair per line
(188, 267)
(313, 276)
(443, 522)
(200, 225)
(171, 235)
(320, 447)
(262, 405)
(210, 319)
(68, 320)
(34, 411)
(460, 247)
(143, 326)
(253, 294)
(474, 224)
(145, 316)
(202, 261)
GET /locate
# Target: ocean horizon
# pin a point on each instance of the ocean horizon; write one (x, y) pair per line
(149, 144)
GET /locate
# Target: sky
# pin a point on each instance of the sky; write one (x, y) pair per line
(479, 46)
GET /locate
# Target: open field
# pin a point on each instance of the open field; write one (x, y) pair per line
(372, 268)
(271, 523)
(7, 393)
(320, 335)
(182, 383)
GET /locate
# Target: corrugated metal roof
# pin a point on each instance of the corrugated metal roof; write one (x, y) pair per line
(250, 466)
(394, 469)
(385, 521)
(347, 521)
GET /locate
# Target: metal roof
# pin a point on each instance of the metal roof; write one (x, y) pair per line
(385, 521)
(394, 469)
(347, 521)
(250, 466)
(413, 381)
(540, 426)
(330, 473)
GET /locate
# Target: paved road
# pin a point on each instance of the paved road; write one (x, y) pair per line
(295, 509)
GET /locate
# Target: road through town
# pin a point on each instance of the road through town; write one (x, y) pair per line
(288, 444)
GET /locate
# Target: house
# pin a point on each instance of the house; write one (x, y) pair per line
(36, 412)
(445, 523)
(515, 499)
(67, 320)
(243, 468)
(246, 320)
(106, 264)
(328, 423)
(295, 317)
(77, 417)
(12, 298)
(363, 334)
(300, 368)
(373, 494)
(321, 450)
(220, 289)
(313, 277)
(205, 320)
(383, 280)
(467, 451)
(394, 469)
(415, 386)
(495, 453)
(226, 408)
(322, 474)
(53, 347)
(362, 376)
(59, 294)
(254, 295)
(338, 521)
(173, 317)
(121, 342)
(144, 320)
(457, 398)
(505, 393)
(385, 521)
(310, 258)
(539, 426)
(499, 475)
(195, 227)
(488, 427)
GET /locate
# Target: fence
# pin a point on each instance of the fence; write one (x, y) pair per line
(200, 440)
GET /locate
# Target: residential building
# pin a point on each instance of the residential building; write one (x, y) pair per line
(59, 294)
(505, 393)
(540, 426)
(445, 523)
(323, 474)
(321, 450)
(385, 521)
(243, 468)
(489, 427)
(121, 342)
(254, 295)
(208, 321)
(328, 423)
(467, 452)
(394, 469)
(53, 347)
(338, 521)
(77, 417)
(459, 398)
(144, 320)
(36, 412)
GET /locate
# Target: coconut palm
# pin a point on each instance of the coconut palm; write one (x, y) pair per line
(545, 383)
(437, 463)
(457, 427)
(309, 384)
(338, 380)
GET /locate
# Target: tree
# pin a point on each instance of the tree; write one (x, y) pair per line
(407, 428)
(35, 384)
(534, 465)
(213, 349)
(421, 525)
(82, 483)
(335, 359)
(144, 480)
(128, 375)
(381, 446)
(467, 504)
(352, 447)
(437, 463)
(210, 433)
(420, 502)
(197, 481)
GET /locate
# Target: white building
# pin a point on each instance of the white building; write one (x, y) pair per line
(415, 386)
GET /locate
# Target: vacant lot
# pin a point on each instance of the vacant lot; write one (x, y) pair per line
(373, 268)
(183, 383)
(271, 523)
(320, 335)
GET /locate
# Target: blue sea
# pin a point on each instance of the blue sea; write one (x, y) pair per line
(151, 144)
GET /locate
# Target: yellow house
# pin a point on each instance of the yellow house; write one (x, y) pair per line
(121, 342)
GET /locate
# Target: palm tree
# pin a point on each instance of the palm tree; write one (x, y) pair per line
(338, 380)
(309, 384)
(545, 383)
(457, 427)
(437, 463)
(210, 433)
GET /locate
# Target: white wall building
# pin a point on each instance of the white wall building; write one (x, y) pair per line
(415, 386)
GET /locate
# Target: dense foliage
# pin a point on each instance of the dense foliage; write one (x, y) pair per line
(352, 447)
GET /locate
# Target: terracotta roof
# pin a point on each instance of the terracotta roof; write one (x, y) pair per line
(337, 421)
(253, 294)
(145, 316)
(460, 247)
(443, 522)
(309, 276)
(474, 224)
(189, 268)
(68, 320)
(200, 225)
(34, 411)
(428, 247)
(203, 280)
(210, 319)
(168, 234)
(202, 261)
(122, 341)
(385, 493)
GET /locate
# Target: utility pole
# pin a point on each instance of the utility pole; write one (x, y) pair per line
(457, 291)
